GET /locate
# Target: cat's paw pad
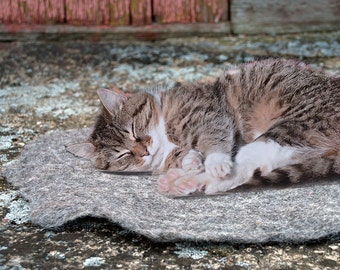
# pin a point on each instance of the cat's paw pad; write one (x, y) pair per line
(177, 182)
(218, 164)
(193, 161)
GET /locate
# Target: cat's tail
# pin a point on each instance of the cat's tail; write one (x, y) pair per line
(309, 163)
(312, 164)
(308, 170)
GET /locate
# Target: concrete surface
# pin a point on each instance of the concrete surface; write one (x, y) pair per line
(52, 86)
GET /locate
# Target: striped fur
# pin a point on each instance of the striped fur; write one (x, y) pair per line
(278, 103)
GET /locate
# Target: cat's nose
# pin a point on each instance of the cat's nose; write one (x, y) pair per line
(145, 152)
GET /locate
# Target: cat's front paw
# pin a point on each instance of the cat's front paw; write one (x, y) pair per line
(193, 161)
(177, 182)
(218, 164)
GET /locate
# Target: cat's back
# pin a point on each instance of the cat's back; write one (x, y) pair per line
(195, 96)
(289, 81)
(265, 93)
(287, 77)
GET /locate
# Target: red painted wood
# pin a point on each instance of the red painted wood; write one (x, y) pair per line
(112, 12)
(93, 12)
(31, 11)
(141, 13)
(169, 11)
(190, 11)
(210, 11)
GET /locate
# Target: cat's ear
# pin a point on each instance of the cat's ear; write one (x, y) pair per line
(110, 99)
(84, 150)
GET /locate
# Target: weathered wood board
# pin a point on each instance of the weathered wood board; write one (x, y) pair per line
(277, 16)
(246, 16)
(210, 11)
(112, 12)
(190, 11)
(141, 12)
(32, 11)
(91, 12)
(169, 11)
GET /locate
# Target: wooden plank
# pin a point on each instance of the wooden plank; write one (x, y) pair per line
(277, 16)
(93, 12)
(190, 11)
(54, 11)
(141, 13)
(119, 12)
(31, 11)
(172, 11)
(210, 11)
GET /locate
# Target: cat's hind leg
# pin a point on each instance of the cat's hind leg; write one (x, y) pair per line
(178, 182)
(268, 162)
(259, 156)
(191, 179)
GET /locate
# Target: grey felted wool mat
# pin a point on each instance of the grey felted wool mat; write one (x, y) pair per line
(61, 187)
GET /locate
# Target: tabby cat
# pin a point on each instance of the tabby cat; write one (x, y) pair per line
(269, 121)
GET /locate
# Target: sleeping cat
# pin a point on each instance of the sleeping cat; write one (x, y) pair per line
(270, 121)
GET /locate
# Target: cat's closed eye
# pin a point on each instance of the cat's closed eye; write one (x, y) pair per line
(123, 154)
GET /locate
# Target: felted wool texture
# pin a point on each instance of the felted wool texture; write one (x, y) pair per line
(61, 187)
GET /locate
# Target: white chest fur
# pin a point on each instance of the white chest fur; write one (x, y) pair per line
(160, 148)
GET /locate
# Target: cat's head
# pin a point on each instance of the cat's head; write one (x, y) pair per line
(120, 138)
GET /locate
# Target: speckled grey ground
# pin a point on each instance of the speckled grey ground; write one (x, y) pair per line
(51, 86)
